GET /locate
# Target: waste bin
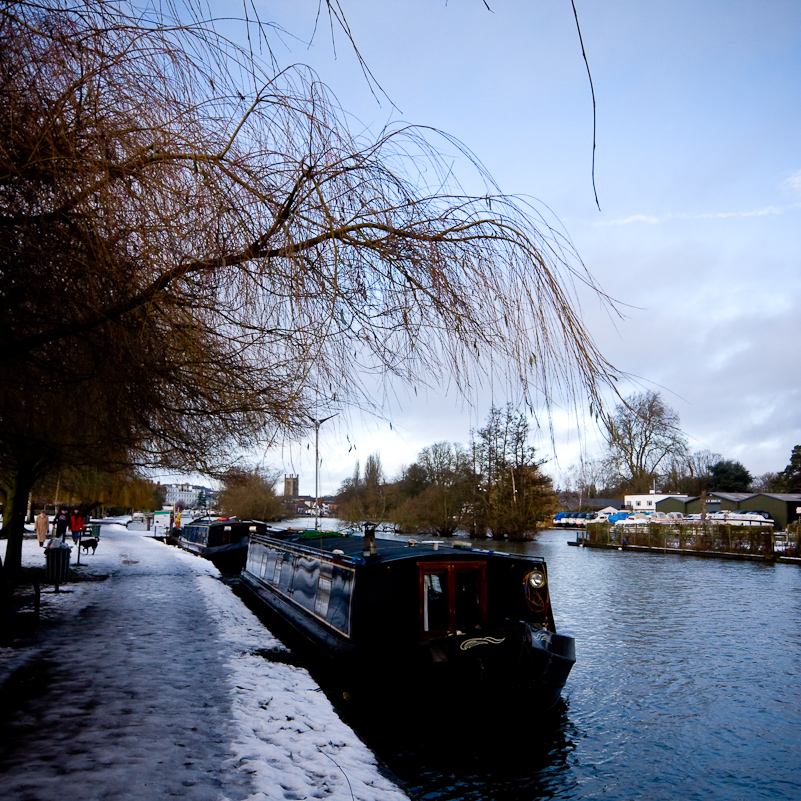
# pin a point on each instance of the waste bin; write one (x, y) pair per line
(92, 530)
(57, 564)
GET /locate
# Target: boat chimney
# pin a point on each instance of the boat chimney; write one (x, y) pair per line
(369, 540)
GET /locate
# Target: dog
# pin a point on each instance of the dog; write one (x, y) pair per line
(89, 542)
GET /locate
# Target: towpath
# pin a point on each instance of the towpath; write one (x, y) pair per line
(157, 682)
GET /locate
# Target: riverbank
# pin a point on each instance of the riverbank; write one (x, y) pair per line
(149, 677)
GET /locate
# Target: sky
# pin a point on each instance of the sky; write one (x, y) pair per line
(698, 177)
(216, 720)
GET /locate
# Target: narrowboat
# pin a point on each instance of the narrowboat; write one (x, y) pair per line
(450, 618)
(224, 541)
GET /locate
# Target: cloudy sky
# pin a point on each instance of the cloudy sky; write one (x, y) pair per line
(698, 175)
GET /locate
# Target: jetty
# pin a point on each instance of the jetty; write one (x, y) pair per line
(706, 538)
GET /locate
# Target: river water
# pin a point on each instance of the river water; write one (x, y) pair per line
(686, 686)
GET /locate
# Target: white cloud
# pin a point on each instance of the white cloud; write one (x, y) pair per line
(635, 218)
(715, 215)
(793, 183)
(724, 215)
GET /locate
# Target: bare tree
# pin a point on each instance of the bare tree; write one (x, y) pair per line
(589, 478)
(767, 482)
(208, 224)
(365, 498)
(643, 436)
(689, 472)
(447, 483)
(249, 494)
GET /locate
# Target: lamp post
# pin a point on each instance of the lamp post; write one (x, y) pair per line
(317, 424)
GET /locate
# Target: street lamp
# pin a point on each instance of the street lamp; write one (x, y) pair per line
(317, 424)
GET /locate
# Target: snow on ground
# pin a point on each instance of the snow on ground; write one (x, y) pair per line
(150, 683)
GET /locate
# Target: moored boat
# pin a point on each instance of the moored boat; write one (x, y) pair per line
(222, 540)
(447, 618)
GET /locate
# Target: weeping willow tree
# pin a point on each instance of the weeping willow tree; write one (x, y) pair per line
(196, 252)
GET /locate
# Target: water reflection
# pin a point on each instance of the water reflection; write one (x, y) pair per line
(447, 753)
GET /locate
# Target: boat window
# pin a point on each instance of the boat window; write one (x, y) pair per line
(277, 571)
(267, 564)
(468, 602)
(435, 602)
(323, 597)
(453, 597)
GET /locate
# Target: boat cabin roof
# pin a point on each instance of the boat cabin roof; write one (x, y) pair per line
(224, 521)
(387, 550)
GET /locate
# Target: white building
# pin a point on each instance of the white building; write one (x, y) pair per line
(185, 495)
(647, 503)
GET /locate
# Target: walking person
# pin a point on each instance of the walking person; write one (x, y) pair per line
(61, 522)
(76, 525)
(41, 526)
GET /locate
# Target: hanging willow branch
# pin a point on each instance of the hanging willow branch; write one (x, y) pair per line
(217, 224)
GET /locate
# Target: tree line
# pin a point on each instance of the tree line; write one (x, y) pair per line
(646, 450)
(494, 486)
(91, 488)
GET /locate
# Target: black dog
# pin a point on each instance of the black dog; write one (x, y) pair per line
(89, 542)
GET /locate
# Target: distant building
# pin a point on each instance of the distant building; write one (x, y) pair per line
(647, 503)
(782, 507)
(187, 495)
(574, 502)
(291, 486)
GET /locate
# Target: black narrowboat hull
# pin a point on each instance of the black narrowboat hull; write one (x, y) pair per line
(452, 620)
(222, 541)
(229, 557)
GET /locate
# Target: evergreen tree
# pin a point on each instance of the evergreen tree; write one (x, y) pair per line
(728, 476)
(512, 495)
(790, 477)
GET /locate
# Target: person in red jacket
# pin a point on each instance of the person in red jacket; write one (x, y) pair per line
(76, 524)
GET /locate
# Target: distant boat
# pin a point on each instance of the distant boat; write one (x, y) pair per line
(742, 518)
(452, 619)
(224, 541)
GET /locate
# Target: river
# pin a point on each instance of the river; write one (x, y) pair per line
(686, 686)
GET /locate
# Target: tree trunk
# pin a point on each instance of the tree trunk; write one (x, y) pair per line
(18, 487)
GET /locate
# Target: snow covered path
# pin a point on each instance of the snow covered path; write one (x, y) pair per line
(150, 685)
